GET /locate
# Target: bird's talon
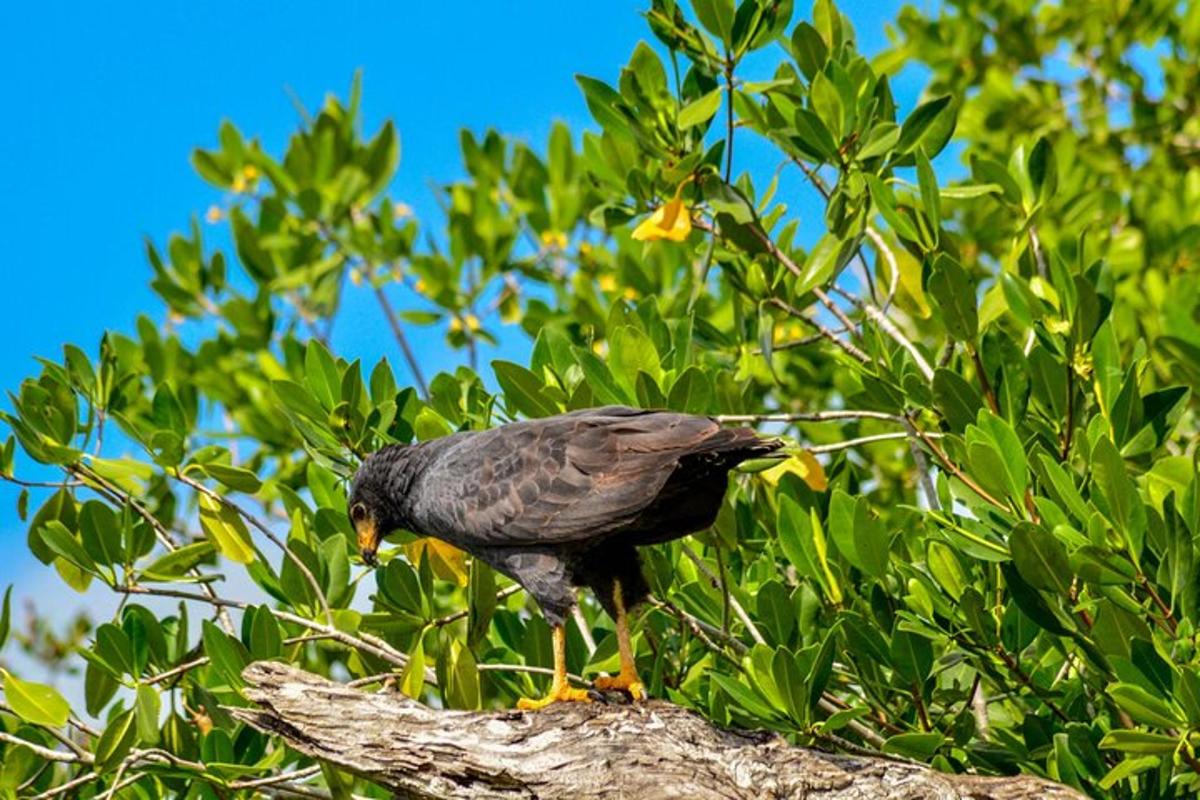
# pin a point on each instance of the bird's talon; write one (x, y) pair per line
(622, 683)
(563, 694)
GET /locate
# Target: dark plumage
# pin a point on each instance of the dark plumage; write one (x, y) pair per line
(558, 502)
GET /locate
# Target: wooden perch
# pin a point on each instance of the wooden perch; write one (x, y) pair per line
(645, 751)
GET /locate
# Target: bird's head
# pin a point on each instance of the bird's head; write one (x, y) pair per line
(374, 500)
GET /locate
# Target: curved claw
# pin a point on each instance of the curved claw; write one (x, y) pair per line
(623, 683)
(558, 694)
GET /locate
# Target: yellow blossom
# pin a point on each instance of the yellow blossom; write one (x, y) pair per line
(356, 276)
(250, 172)
(420, 285)
(672, 220)
(472, 322)
(402, 210)
(630, 293)
(455, 325)
(607, 283)
(213, 215)
(554, 240)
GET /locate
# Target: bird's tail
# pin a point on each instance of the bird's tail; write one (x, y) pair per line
(732, 446)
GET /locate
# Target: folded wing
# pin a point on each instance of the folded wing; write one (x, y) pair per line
(575, 478)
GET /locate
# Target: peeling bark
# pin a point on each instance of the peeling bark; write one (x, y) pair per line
(647, 751)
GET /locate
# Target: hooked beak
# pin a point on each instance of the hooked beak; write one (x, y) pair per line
(368, 543)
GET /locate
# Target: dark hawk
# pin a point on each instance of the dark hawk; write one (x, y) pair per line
(557, 503)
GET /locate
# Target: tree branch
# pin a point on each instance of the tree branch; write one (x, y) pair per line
(649, 751)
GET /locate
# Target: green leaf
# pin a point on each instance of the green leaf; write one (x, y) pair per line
(1064, 488)
(691, 393)
(813, 137)
(175, 563)
(1143, 706)
(945, 568)
(5, 616)
(65, 545)
(100, 532)
(1139, 742)
(225, 653)
(954, 292)
(226, 530)
(1124, 507)
(236, 478)
(116, 741)
(322, 375)
(265, 639)
(148, 706)
(920, 746)
(1040, 558)
(957, 399)
(36, 703)
(605, 390)
(1127, 768)
(701, 110)
(717, 18)
(631, 351)
(930, 196)
(99, 687)
(524, 390)
(911, 655)
(928, 127)
(809, 49)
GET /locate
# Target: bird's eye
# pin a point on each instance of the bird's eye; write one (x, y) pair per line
(358, 512)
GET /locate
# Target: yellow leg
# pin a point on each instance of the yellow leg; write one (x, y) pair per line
(627, 679)
(560, 690)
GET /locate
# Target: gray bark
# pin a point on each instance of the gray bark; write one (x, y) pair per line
(646, 751)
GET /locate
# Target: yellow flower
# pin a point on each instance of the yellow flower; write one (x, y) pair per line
(472, 322)
(455, 325)
(420, 285)
(607, 283)
(213, 215)
(672, 220)
(239, 183)
(630, 293)
(356, 276)
(250, 172)
(402, 210)
(554, 240)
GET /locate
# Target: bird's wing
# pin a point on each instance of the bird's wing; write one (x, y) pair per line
(567, 479)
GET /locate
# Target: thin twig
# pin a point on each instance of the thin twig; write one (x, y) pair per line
(284, 777)
(265, 531)
(733, 601)
(119, 497)
(402, 340)
(889, 327)
(957, 471)
(893, 266)
(823, 332)
(41, 484)
(46, 752)
(931, 495)
(877, 437)
(832, 415)
(57, 734)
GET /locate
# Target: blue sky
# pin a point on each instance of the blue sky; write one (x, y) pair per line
(104, 104)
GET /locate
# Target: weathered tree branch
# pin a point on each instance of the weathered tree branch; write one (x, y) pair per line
(651, 750)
